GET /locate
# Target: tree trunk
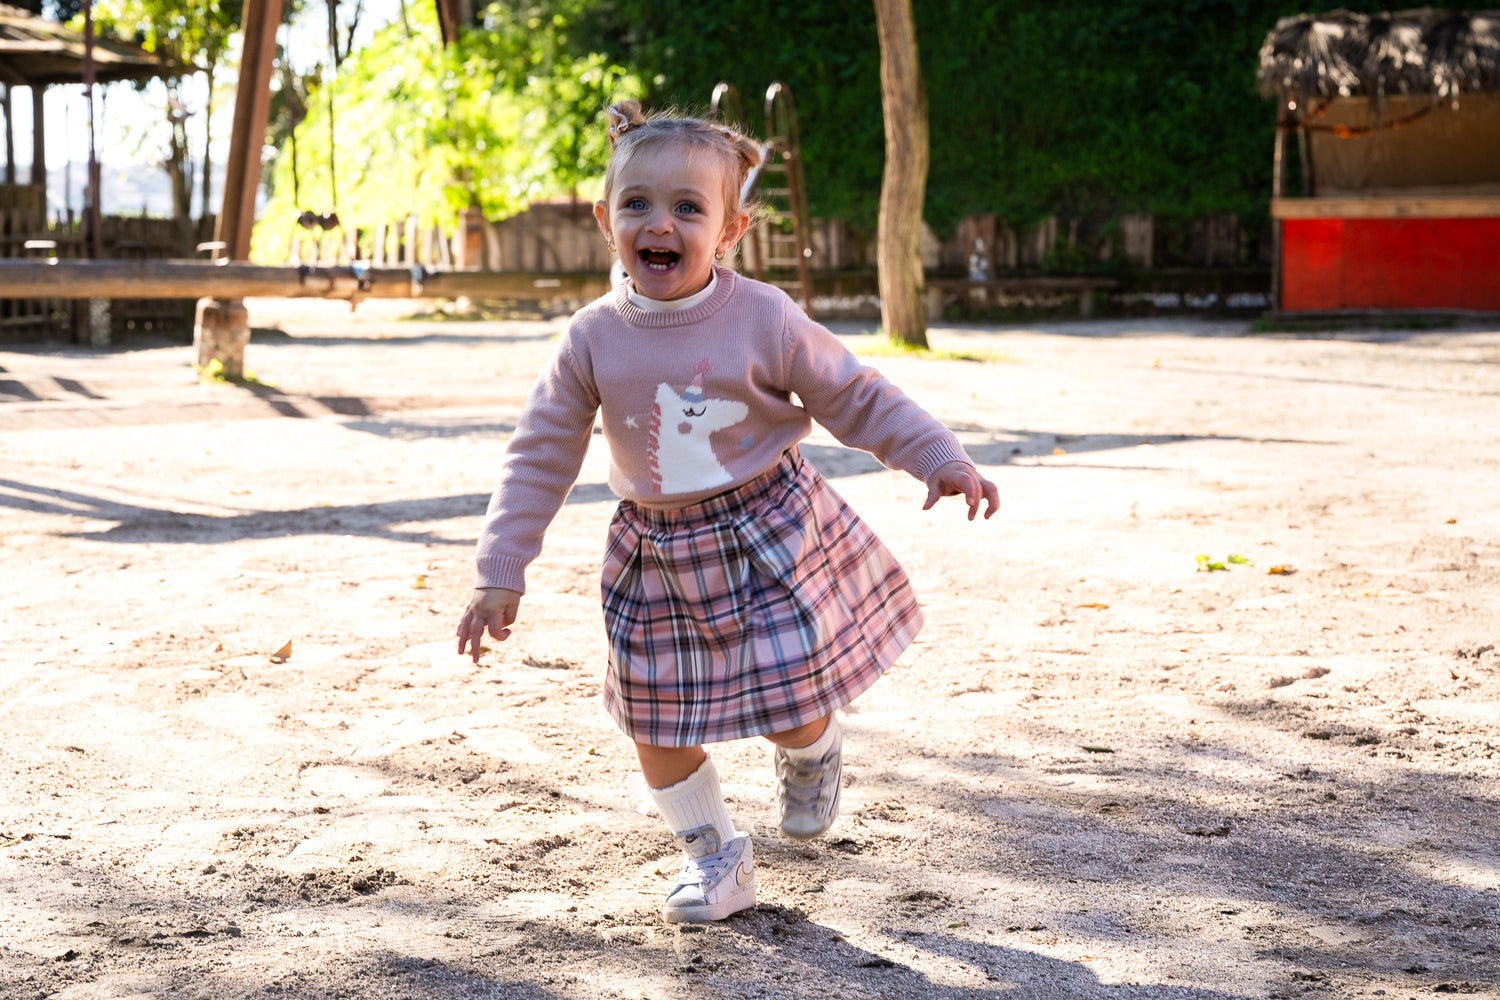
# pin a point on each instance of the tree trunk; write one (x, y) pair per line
(899, 250)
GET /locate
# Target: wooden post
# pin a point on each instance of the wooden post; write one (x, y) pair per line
(222, 329)
(452, 15)
(1278, 169)
(10, 139)
(1304, 151)
(38, 138)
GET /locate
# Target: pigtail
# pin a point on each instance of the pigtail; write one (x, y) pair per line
(746, 149)
(623, 117)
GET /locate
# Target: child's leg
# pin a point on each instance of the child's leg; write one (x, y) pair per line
(802, 735)
(809, 766)
(718, 874)
(663, 766)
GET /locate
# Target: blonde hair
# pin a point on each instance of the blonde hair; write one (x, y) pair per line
(630, 130)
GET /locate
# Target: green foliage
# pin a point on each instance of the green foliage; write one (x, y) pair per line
(213, 373)
(1089, 109)
(882, 345)
(827, 53)
(507, 115)
(192, 33)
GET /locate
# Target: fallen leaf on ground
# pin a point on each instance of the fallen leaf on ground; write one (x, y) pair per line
(1240, 560)
(283, 654)
(1098, 749)
(1206, 564)
(1092, 604)
(420, 583)
(1282, 570)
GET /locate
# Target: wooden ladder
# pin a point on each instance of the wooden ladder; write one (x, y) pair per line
(779, 244)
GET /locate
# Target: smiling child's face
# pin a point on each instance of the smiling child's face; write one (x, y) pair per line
(666, 217)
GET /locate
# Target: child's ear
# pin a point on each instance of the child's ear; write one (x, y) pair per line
(601, 215)
(733, 230)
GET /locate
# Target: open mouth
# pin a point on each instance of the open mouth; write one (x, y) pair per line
(659, 260)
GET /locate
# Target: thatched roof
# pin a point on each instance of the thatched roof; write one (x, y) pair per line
(1444, 53)
(34, 50)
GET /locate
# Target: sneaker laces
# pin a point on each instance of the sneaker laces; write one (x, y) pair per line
(803, 782)
(706, 871)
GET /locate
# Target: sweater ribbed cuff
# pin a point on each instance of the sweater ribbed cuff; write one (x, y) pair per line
(501, 571)
(939, 455)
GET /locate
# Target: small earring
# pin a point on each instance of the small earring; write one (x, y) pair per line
(611, 244)
(719, 256)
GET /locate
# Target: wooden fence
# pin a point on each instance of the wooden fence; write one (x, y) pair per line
(28, 230)
(563, 236)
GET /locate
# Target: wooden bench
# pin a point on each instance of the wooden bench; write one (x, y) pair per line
(987, 294)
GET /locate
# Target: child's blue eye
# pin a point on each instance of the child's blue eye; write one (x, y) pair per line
(686, 207)
(635, 204)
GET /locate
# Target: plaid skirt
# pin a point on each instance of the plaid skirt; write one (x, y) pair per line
(753, 612)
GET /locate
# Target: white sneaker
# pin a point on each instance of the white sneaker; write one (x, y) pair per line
(715, 881)
(807, 792)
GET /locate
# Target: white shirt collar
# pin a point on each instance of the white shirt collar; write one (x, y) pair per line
(674, 305)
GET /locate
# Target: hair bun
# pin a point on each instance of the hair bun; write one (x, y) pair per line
(623, 117)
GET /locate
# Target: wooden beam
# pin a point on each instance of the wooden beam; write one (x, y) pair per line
(252, 108)
(24, 278)
(1424, 207)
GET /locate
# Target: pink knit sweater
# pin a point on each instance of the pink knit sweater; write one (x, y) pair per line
(694, 403)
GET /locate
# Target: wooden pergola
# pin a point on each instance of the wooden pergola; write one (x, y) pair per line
(38, 53)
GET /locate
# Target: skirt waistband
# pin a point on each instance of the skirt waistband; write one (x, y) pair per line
(723, 506)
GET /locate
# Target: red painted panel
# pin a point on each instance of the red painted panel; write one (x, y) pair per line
(1310, 263)
(1482, 273)
(1391, 264)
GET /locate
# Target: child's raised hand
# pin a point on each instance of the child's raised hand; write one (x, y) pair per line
(490, 607)
(962, 479)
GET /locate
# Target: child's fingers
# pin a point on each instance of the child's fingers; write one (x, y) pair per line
(463, 632)
(992, 499)
(934, 493)
(471, 633)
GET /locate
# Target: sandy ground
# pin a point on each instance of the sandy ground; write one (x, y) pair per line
(1101, 772)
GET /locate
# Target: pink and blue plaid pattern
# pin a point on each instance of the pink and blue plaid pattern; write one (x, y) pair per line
(753, 612)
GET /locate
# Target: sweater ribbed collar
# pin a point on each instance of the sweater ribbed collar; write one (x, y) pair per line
(636, 316)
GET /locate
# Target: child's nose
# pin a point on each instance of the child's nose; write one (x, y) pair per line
(660, 221)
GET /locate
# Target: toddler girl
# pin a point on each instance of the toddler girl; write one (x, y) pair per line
(742, 596)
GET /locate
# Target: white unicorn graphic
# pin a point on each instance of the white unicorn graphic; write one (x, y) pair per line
(682, 459)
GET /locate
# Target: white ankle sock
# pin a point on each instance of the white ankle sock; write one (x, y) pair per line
(695, 802)
(818, 747)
